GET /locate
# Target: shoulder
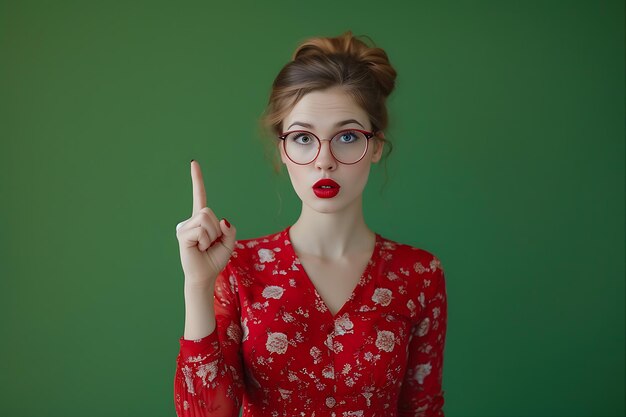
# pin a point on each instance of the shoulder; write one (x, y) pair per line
(421, 267)
(249, 257)
(258, 249)
(422, 260)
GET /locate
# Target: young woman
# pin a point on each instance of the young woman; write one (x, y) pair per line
(326, 317)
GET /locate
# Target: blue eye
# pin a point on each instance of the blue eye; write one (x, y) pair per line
(350, 135)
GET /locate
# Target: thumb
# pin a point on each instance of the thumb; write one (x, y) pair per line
(228, 234)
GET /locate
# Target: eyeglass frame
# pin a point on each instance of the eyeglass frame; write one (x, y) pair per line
(368, 135)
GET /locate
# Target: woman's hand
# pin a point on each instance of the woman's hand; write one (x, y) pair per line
(205, 242)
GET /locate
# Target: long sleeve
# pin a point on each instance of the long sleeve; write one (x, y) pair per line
(209, 377)
(421, 393)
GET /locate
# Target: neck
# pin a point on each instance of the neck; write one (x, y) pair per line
(332, 236)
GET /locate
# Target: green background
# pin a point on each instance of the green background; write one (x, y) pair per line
(508, 164)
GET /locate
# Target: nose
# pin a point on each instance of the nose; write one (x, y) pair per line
(325, 159)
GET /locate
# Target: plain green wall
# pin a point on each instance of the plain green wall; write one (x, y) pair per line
(508, 126)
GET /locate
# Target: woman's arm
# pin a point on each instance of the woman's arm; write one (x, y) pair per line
(209, 371)
(421, 393)
(199, 310)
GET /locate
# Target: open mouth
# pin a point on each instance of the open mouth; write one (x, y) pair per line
(326, 184)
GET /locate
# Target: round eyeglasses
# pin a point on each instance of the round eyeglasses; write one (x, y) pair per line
(348, 146)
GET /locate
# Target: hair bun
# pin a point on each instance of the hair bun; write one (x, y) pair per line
(348, 46)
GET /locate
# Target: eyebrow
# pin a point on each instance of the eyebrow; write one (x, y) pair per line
(342, 123)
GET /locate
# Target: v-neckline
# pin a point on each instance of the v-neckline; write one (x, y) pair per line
(361, 283)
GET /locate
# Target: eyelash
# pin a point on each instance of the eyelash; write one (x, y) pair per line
(351, 132)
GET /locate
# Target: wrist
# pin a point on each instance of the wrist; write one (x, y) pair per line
(197, 289)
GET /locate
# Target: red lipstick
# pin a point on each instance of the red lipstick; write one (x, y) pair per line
(326, 188)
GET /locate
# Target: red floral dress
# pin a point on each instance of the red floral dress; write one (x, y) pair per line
(278, 351)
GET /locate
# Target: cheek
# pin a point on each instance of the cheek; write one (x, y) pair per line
(360, 178)
(297, 176)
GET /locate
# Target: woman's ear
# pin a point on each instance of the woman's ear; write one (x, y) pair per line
(378, 146)
(281, 150)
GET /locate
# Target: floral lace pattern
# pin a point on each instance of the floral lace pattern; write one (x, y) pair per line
(278, 351)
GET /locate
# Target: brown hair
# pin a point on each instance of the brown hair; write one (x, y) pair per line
(363, 72)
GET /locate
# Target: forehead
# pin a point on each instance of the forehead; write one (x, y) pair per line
(324, 108)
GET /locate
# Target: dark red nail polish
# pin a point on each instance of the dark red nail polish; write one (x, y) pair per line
(227, 224)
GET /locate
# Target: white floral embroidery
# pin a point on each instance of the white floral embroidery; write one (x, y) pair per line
(411, 306)
(423, 327)
(419, 268)
(207, 371)
(382, 296)
(333, 345)
(435, 264)
(193, 359)
(277, 342)
(385, 340)
(234, 332)
(302, 312)
(266, 255)
(391, 276)
(422, 371)
(187, 372)
(370, 357)
(343, 325)
(387, 245)
(284, 393)
(422, 299)
(320, 306)
(316, 354)
(273, 291)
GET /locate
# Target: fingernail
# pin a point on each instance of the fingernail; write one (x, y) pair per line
(191, 161)
(227, 224)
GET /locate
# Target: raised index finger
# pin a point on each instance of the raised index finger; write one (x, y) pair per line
(199, 195)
